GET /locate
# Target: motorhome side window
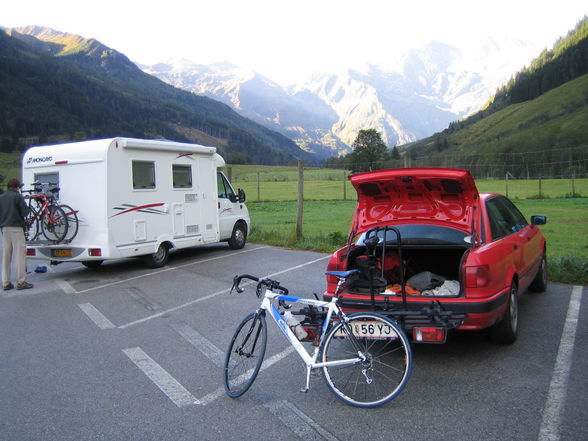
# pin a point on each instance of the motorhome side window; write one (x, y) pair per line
(224, 189)
(182, 176)
(143, 175)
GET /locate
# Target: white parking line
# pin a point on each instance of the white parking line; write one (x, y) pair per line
(552, 413)
(162, 379)
(214, 294)
(96, 316)
(298, 422)
(65, 286)
(164, 270)
(207, 399)
(201, 343)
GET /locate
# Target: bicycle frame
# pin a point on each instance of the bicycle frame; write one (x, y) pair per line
(309, 360)
(42, 204)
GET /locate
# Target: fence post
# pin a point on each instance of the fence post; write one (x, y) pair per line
(540, 187)
(506, 181)
(300, 203)
(573, 186)
(258, 199)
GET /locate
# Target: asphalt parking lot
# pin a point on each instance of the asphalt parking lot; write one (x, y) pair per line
(124, 352)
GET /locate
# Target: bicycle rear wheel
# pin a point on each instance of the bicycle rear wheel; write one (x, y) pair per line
(72, 222)
(245, 355)
(386, 365)
(54, 224)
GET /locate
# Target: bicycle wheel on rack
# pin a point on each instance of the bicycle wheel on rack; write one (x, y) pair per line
(54, 224)
(386, 365)
(72, 222)
(32, 229)
(245, 355)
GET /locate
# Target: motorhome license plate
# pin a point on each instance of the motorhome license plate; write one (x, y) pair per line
(61, 253)
(369, 329)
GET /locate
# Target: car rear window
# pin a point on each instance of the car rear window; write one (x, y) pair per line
(422, 235)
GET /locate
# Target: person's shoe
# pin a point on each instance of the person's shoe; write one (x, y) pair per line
(24, 285)
(9, 286)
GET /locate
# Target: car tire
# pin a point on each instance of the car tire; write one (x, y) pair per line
(238, 237)
(506, 330)
(539, 283)
(157, 259)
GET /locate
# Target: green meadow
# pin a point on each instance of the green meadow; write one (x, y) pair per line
(327, 216)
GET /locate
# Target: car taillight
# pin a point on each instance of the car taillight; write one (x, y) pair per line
(332, 281)
(95, 252)
(477, 276)
(31, 252)
(428, 335)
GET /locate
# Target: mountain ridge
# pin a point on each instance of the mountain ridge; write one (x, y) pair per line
(430, 88)
(75, 85)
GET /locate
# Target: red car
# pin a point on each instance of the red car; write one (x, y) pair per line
(435, 254)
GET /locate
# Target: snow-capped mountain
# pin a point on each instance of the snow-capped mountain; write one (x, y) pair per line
(417, 96)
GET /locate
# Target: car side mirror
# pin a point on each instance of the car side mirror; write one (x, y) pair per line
(233, 198)
(538, 220)
(241, 195)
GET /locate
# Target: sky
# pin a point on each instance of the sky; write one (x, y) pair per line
(286, 40)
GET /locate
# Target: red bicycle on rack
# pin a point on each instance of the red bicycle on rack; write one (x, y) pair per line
(45, 215)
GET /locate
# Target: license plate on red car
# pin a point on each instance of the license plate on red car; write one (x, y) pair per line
(369, 329)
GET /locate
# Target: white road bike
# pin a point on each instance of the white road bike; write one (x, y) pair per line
(365, 357)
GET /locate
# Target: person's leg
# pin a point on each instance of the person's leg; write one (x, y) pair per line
(6, 257)
(20, 256)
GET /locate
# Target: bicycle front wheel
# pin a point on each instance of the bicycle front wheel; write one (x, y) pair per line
(32, 227)
(385, 360)
(245, 355)
(54, 224)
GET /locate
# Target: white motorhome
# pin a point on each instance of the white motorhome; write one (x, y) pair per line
(137, 197)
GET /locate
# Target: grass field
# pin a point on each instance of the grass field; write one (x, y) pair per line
(281, 184)
(326, 225)
(330, 200)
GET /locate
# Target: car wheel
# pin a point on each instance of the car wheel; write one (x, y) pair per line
(238, 237)
(539, 283)
(506, 330)
(93, 264)
(157, 259)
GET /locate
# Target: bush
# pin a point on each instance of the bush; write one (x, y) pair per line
(572, 270)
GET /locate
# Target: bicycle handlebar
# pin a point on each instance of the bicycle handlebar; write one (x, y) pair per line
(268, 283)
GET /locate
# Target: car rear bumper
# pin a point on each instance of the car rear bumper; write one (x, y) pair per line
(468, 314)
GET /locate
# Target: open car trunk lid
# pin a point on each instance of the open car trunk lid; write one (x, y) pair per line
(447, 197)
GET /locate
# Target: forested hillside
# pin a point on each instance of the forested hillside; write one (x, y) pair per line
(60, 87)
(543, 109)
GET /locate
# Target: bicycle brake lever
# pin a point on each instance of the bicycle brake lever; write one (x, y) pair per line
(284, 305)
(236, 287)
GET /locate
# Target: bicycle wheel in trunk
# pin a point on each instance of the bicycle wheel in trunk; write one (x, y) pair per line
(386, 360)
(245, 355)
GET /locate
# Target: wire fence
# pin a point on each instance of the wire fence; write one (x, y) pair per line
(518, 175)
(560, 163)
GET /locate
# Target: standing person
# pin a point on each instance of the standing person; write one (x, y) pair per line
(13, 210)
